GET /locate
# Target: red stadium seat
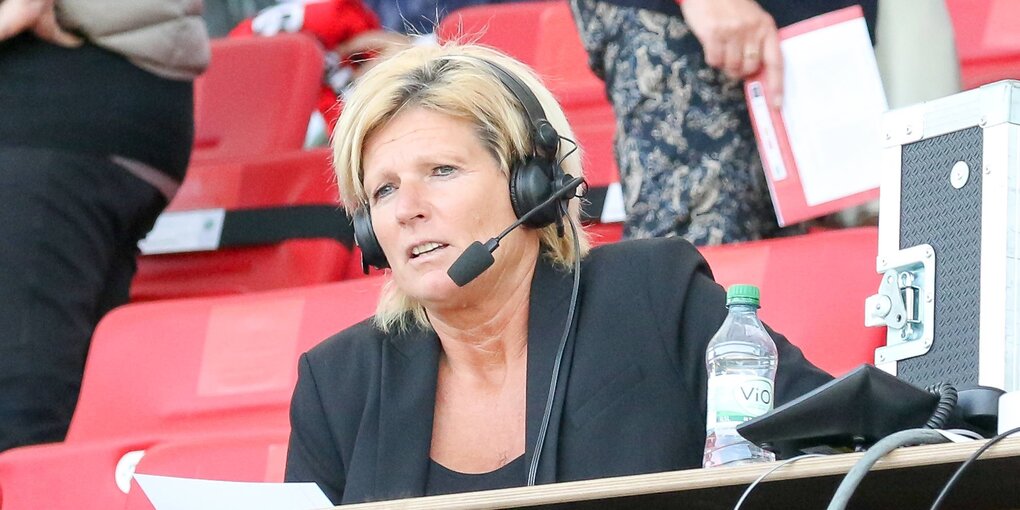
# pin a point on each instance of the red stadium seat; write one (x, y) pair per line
(62, 475)
(257, 457)
(499, 26)
(172, 370)
(289, 180)
(554, 50)
(195, 363)
(813, 289)
(256, 96)
(987, 39)
(603, 233)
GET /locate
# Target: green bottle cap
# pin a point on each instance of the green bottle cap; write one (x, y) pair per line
(742, 294)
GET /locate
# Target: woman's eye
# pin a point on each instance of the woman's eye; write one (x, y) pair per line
(383, 191)
(443, 170)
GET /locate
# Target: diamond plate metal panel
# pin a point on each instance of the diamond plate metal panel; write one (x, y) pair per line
(932, 211)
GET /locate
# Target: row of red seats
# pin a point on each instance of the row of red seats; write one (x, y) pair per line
(287, 180)
(252, 108)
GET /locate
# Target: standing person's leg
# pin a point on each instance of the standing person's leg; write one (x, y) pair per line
(66, 220)
(684, 144)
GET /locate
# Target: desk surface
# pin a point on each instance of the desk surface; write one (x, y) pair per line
(905, 479)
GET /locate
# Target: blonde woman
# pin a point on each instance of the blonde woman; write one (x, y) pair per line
(556, 363)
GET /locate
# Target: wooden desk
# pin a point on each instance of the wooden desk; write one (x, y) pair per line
(907, 478)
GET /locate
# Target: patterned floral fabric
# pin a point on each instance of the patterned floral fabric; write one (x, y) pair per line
(684, 144)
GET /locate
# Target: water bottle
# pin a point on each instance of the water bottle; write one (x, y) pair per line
(741, 360)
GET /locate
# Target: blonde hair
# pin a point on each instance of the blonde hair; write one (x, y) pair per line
(453, 79)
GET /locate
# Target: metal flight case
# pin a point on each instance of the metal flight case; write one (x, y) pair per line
(949, 219)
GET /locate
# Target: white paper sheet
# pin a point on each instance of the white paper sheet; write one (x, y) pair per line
(832, 106)
(171, 493)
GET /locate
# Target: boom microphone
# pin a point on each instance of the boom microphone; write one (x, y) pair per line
(478, 257)
(473, 262)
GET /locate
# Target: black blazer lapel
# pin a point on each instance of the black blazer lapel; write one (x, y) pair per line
(550, 303)
(407, 406)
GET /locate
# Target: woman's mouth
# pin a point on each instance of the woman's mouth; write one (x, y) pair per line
(426, 248)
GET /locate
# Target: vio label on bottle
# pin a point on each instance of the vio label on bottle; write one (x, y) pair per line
(736, 398)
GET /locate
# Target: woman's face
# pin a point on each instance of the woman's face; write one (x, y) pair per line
(433, 190)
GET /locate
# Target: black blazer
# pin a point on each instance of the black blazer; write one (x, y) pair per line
(630, 398)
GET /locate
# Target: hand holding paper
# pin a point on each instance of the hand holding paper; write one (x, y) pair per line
(740, 38)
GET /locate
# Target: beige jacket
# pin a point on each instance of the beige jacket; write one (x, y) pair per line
(166, 37)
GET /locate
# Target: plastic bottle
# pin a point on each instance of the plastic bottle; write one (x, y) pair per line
(741, 359)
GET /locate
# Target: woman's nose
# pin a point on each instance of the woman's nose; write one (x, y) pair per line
(411, 201)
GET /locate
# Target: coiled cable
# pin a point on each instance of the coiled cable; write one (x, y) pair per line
(948, 396)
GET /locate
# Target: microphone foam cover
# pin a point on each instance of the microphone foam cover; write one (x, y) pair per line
(473, 262)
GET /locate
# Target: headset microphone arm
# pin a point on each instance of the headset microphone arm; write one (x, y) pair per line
(478, 257)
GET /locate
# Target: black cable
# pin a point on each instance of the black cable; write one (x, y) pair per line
(948, 396)
(970, 460)
(887, 444)
(544, 429)
(584, 191)
(571, 151)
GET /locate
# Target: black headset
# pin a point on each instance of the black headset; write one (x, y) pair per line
(532, 180)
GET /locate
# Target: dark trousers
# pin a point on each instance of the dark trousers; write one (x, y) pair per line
(69, 225)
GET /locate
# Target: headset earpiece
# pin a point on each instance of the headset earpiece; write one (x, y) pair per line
(530, 185)
(547, 140)
(364, 235)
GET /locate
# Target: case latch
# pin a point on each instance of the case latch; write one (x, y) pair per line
(905, 303)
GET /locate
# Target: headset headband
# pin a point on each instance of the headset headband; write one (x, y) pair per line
(545, 138)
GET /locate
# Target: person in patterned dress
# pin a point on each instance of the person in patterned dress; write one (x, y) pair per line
(685, 147)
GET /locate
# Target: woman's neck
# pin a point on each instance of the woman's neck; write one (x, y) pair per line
(483, 339)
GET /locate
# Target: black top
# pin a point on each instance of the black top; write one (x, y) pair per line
(93, 101)
(442, 480)
(785, 12)
(630, 397)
